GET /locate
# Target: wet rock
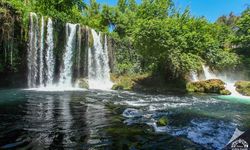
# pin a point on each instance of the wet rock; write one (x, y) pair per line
(83, 83)
(243, 87)
(131, 113)
(163, 121)
(208, 86)
(225, 92)
(117, 87)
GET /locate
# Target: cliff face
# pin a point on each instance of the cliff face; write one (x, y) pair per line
(12, 47)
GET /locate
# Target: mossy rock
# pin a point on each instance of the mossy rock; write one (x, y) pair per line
(83, 83)
(163, 121)
(208, 86)
(243, 87)
(225, 92)
(117, 87)
(126, 82)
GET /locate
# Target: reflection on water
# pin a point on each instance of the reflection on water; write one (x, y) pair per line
(82, 120)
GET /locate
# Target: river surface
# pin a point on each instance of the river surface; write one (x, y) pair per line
(92, 119)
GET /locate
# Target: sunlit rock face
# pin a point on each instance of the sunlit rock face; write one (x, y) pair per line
(60, 54)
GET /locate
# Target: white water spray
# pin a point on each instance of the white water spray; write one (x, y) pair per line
(194, 76)
(66, 72)
(229, 83)
(41, 53)
(32, 51)
(50, 62)
(208, 73)
(43, 69)
(98, 64)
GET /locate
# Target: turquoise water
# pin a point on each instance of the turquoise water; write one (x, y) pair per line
(235, 99)
(118, 120)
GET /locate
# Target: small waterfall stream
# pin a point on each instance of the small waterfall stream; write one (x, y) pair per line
(32, 50)
(98, 67)
(66, 74)
(50, 62)
(41, 50)
(229, 83)
(208, 73)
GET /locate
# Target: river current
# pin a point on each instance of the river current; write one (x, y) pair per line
(93, 119)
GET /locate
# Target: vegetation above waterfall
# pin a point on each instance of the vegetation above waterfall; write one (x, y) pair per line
(151, 37)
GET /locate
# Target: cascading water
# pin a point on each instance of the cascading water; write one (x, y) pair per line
(46, 71)
(66, 72)
(229, 83)
(41, 49)
(79, 51)
(50, 62)
(98, 64)
(194, 76)
(32, 50)
(207, 73)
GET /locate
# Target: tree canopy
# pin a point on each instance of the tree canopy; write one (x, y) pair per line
(155, 36)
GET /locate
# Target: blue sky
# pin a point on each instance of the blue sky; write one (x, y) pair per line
(211, 9)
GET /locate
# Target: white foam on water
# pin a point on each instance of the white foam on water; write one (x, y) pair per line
(55, 89)
(131, 112)
(208, 133)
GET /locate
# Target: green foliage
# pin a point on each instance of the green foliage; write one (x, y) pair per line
(243, 32)
(180, 45)
(153, 36)
(127, 82)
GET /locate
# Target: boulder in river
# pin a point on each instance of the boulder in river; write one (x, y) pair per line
(163, 121)
(208, 86)
(243, 87)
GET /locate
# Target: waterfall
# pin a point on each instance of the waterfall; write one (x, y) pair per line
(208, 73)
(38, 68)
(229, 84)
(53, 66)
(98, 64)
(194, 76)
(41, 53)
(79, 51)
(49, 58)
(32, 51)
(66, 72)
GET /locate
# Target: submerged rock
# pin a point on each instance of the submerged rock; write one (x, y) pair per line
(208, 86)
(243, 87)
(83, 83)
(163, 121)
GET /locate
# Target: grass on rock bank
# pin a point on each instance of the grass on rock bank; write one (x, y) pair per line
(146, 83)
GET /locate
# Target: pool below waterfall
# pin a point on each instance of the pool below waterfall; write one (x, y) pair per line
(93, 119)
